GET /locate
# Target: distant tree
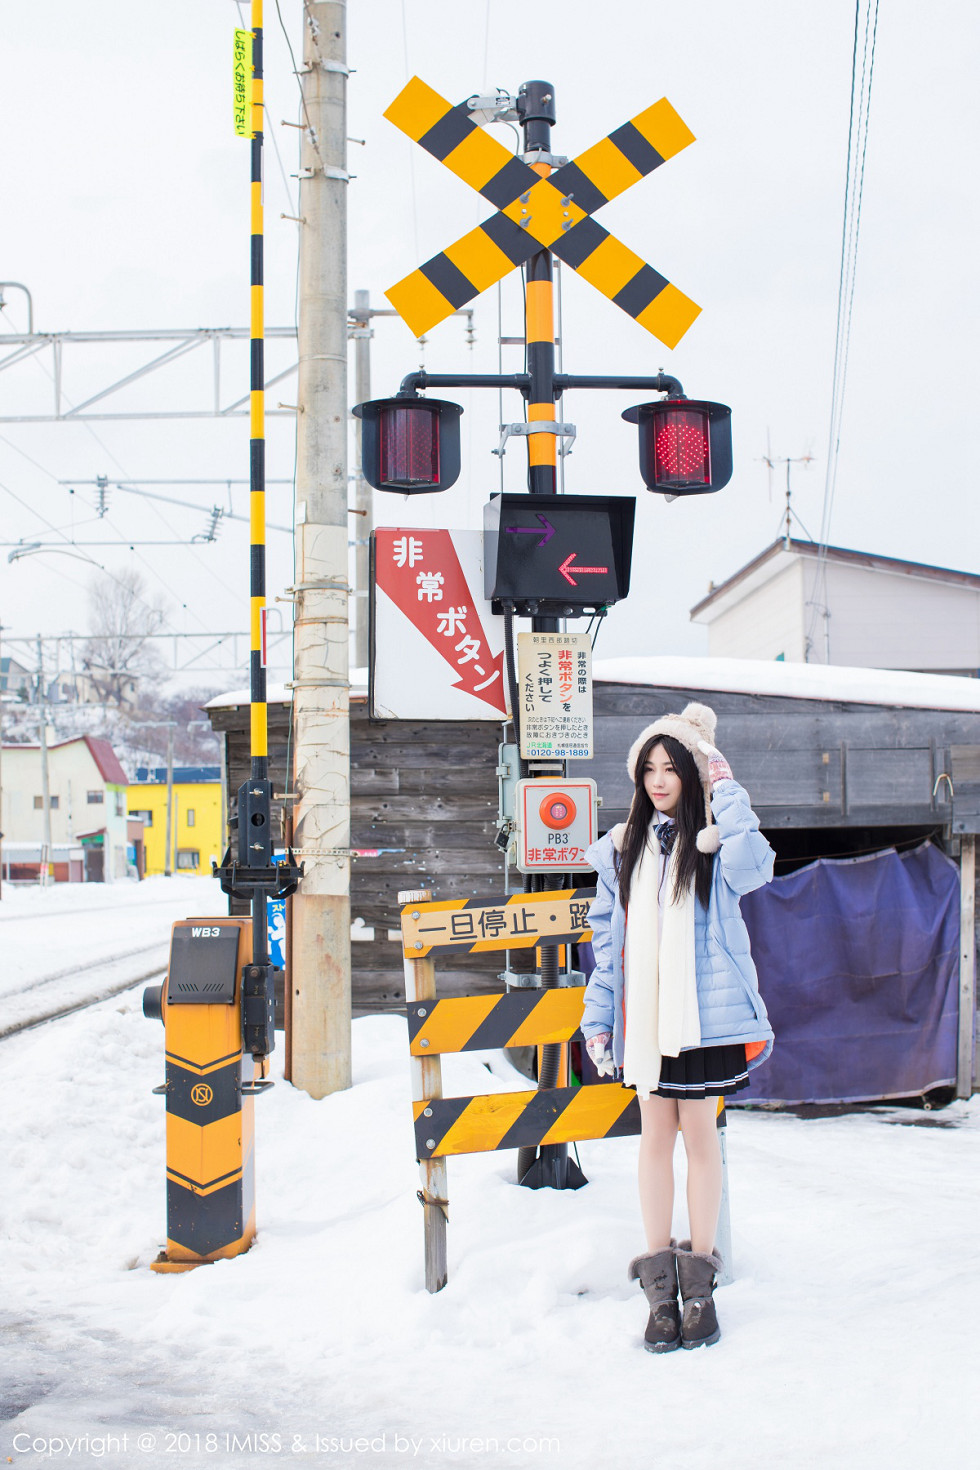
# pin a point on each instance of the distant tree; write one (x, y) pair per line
(195, 744)
(118, 658)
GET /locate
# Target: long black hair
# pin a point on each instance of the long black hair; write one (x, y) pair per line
(689, 863)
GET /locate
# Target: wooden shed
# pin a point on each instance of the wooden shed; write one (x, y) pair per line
(838, 762)
(423, 811)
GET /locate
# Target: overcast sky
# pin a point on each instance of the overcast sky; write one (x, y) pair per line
(125, 199)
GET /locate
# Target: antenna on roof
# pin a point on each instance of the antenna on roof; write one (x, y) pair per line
(772, 463)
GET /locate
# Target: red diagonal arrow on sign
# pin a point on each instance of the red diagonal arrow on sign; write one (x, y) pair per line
(566, 567)
(420, 571)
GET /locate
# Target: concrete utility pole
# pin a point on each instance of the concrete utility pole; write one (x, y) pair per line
(42, 708)
(321, 1002)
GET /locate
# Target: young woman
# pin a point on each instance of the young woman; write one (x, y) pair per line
(673, 1004)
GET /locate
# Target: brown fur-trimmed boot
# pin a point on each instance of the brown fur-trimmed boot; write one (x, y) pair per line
(657, 1274)
(696, 1274)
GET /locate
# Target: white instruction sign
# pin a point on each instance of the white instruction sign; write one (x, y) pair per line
(555, 679)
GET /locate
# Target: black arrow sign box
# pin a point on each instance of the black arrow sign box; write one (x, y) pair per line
(557, 555)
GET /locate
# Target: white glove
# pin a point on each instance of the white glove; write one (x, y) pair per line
(718, 767)
(598, 1048)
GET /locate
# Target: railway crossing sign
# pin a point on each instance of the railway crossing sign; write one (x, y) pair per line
(554, 212)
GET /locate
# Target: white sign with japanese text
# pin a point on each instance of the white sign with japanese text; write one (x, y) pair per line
(437, 649)
(555, 681)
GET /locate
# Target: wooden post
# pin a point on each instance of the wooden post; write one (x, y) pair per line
(723, 1235)
(420, 984)
(964, 1050)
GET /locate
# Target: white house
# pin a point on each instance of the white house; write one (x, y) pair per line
(845, 607)
(87, 788)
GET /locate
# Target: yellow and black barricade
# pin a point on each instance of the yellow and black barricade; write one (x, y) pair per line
(499, 1120)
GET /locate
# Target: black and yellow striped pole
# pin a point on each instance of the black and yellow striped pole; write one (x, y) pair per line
(218, 1001)
(259, 711)
(254, 876)
(550, 1165)
(536, 104)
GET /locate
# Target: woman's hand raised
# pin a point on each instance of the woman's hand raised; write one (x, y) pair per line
(718, 767)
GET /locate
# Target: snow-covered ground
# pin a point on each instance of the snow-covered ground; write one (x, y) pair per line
(71, 942)
(848, 1333)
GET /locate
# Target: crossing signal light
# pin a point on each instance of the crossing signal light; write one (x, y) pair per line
(557, 555)
(409, 446)
(685, 445)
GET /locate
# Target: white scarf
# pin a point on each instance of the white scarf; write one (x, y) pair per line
(661, 980)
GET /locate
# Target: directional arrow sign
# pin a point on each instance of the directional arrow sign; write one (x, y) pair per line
(547, 567)
(546, 526)
(566, 568)
(419, 571)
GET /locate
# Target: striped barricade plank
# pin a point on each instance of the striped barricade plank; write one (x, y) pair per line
(481, 925)
(478, 1022)
(466, 1125)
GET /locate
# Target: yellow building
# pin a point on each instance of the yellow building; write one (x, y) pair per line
(196, 835)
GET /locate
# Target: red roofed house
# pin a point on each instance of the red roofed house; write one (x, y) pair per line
(87, 788)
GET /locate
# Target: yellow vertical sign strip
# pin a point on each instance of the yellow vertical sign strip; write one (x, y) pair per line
(243, 83)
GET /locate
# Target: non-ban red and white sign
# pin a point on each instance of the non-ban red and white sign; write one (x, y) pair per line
(438, 650)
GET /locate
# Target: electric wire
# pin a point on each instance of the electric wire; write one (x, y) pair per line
(409, 144)
(857, 145)
(125, 544)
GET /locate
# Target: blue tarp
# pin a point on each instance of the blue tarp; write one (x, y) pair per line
(858, 963)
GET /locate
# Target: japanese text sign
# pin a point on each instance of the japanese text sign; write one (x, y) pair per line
(437, 651)
(243, 83)
(555, 682)
(478, 924)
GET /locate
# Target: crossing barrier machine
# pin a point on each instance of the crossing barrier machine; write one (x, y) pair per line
(218, 1001)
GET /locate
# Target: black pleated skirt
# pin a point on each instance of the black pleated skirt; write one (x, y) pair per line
(704, 1071)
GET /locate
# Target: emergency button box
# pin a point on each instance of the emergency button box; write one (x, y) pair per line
(556, 824)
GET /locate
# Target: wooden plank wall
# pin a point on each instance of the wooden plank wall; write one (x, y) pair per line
(805, 763)
(425, 796)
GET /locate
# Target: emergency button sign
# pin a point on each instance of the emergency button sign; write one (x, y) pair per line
(437, 651)
(556, 825)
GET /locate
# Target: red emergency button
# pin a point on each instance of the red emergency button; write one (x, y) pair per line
(557, 811)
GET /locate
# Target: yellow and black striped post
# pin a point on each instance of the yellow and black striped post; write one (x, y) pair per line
(536, 107)
(209, 1087)
(259, 711)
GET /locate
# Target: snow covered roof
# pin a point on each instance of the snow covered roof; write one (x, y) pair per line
(793, 681)
(283, 694)
(101, 751)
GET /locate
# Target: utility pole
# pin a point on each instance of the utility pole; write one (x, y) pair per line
(364, 522)
(167, 867)
(47, 856)
(321, 1003)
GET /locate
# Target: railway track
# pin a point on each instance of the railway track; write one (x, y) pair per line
(66, 991)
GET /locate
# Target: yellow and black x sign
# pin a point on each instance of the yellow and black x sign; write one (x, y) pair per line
(532, 212)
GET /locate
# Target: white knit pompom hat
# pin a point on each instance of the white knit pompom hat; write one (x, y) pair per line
(695, 722)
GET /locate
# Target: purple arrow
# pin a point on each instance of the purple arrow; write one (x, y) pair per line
(546, 526)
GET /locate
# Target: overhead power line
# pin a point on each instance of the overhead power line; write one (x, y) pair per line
(862, 78)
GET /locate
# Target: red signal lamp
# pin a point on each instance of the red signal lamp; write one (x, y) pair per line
(685, 445)
(409, 446)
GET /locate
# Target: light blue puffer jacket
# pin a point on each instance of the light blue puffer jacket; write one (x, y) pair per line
(730, 1006)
